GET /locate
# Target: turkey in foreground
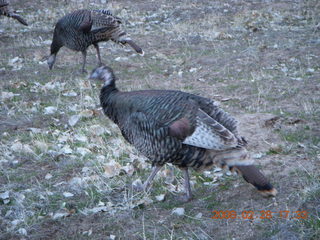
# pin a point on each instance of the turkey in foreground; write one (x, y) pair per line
(80, 29)
(179, 128)
(4, 10)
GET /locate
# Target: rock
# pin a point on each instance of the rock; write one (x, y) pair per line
(178, 211)
(161, 197)
(22, 231)
(48, 176)
(68, 194)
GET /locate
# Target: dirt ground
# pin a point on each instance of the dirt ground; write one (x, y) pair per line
(67, 173)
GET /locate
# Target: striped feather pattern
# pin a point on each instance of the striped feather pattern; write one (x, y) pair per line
(82, 28)
(179, 128)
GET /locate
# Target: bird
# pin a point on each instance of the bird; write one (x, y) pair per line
(186, 130)
(82, 28)
(4, 10)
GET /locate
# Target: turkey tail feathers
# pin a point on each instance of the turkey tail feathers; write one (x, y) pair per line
(135, 46)
(20, 19)
(253, 176)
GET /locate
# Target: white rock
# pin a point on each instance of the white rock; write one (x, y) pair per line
(218, 174)
(310, 70)
(16, 222)
(60, 215)
(137, 184)
(83, 151)
(68, 194)
(178, 211)
(81, 138)
(50, 110)
(4, 195)
(76, 181)
(95, 210)
(16, 63)
(47, 42)
(257, 155)
(66, 150)
(35, 130)
(193, 70)
(112, 237)
(121, 59)
(20, 197)
(48, 176)
(8, 95)
(22, 231)
(19, 147)
(73, 120)
(199, 215)
(160, 197)
(98, 130)
(70, 94)
(42, 146)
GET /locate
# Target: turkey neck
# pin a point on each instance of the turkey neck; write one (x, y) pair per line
(108, 100)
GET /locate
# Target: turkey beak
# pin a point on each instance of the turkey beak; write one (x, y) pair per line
(51, 61)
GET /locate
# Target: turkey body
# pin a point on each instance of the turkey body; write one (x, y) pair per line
(80, 29)
(5, 11)
(175, 127)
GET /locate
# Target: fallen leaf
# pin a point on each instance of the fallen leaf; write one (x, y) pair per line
(70, 94)
(61, 214)
(81, 138)
(137, 184)
(112, 169)
(98, 130)
(83, 151)
(42, 146)
(129, 169)
(49, 110)
(73, 120)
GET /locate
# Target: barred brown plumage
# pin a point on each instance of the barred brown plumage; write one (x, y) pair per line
(82, 28)
(180, 128)
(4, 10)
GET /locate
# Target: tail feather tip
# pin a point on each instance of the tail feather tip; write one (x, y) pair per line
(269, 193)
(141, 53)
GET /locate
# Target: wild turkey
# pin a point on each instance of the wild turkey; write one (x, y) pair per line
(4, 10)
(79, 29)
(175, 127)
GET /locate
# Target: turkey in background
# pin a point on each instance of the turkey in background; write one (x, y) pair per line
(6, 11)
(80, 29)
